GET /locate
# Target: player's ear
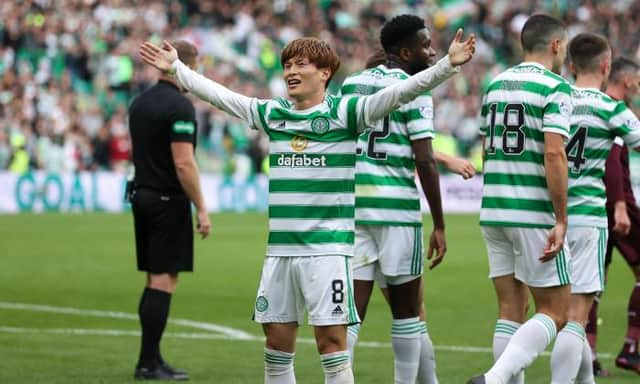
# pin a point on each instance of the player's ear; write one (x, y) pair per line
(404, 53)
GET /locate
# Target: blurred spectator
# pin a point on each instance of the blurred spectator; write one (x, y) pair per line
(69, 68)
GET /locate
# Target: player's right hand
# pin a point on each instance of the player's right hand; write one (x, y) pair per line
(203, 226)
(555, 242)
(622, 225)
(161, 58)
(462, 167)
(437, 246)
(461, 51)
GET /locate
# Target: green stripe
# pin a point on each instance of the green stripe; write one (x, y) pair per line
(262, 111)
(530, 133)
(390, 223)
(311, 212)
(584, 190)
(515, 203)
(310, 237)
(385, 180)
(561, 266)
(388, 203)
(352, 117)
(515, 179)
(519, 85)
(587, 210)
(506, 327)
(514, 224)
(390, 160)
(525, 156)
(333, 136)
(331, 160)
(283, 114)
(597, 173)
(353, 318)
(310, 186)
(592, 131)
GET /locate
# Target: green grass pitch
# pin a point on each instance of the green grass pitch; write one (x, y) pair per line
(86, 262)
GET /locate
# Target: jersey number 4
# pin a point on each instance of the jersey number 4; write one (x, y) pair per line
(575, 149)
(513, 136)
(373, 136)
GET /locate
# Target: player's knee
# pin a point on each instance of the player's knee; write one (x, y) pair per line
(331, 342)
(162, 282)
(560, 318)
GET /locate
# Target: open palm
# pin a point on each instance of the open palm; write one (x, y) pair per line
(461, 51)
(161, 58)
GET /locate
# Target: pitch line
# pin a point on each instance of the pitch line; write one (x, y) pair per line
(224, 333)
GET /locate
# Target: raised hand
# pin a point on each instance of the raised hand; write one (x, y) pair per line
(161, 58)
(461, 51)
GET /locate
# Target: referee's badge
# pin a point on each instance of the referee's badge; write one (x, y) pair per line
(299, 143)
(320, 125)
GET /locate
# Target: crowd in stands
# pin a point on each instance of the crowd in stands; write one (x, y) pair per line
(69, 68)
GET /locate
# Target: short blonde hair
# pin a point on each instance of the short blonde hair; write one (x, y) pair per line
(317, 51)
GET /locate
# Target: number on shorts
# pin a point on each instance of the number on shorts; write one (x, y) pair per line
(338, 295)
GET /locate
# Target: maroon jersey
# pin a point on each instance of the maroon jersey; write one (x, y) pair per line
(617, 178)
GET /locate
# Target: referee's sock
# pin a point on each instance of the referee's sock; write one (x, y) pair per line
(153, 312)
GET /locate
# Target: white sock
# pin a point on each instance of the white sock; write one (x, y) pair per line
(567, 354)
(337, 368)
(278, 367)
(427, 364)
(405, 340)
(352, 339)
(585, 373)
(523, 348)
(501, 336)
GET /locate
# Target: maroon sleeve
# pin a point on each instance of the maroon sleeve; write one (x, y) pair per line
(613, 176)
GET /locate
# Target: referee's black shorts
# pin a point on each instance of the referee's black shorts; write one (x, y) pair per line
(164, 231)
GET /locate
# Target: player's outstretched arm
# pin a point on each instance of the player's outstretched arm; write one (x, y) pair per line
(462, 167)
(165, 59)
(390, 98)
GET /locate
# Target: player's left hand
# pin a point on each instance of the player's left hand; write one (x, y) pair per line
(462, 167)
(437, 247)
(461, 51)
(161, 58)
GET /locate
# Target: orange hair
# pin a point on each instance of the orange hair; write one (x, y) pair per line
(317, 51)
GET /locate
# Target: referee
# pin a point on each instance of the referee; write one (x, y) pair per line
(163, 133)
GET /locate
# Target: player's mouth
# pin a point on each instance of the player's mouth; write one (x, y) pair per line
(293, 83)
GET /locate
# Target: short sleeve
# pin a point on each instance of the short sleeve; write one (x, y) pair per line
(557, 110)
(182, 123)
(419, 117)
(626, 125)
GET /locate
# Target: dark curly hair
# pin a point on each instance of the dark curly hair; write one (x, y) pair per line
(400, 32)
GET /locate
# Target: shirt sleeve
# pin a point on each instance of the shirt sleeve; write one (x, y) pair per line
(380, 104)
(626, 125)
(557, 110)
(418, 115)
(238, 105)
(183, 123)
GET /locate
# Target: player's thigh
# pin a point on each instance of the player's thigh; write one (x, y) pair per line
(279, 299)
(588, 247)
(500, 251)
(326, 285)
(529, 244)
(401, 252)
(365, 250)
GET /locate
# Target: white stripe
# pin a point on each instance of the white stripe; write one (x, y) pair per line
(516, 216)
(208, 336)
(315, 173)
(514, 167)
(319, 199)
(231, 332)
(530, 98)
(400, 150)
(363, 167)
(303, 225)
(345, 147)
(531, 77)
(588, 221)
(310, 250)
(499, 190)
(386, 191)
(377, 214)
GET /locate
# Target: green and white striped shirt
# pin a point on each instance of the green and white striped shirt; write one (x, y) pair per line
(596, 121)
(520, 105)
(386, 192)
(312, 156)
